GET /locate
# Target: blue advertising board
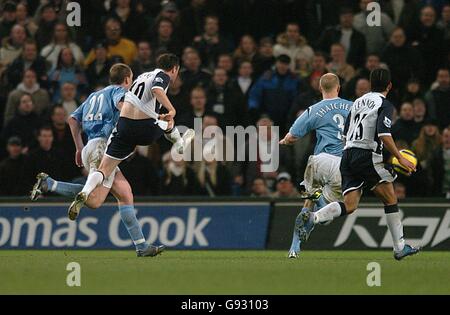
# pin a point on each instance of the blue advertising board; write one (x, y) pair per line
(176, 225)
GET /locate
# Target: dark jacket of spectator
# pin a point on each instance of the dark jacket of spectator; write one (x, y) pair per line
(438, 101)
(24, 126)
(141, 175)
(13, 180)
(357, 51)
(48, 162)
(273, 94)
(17, 67)
(407, 130)
(192, 79)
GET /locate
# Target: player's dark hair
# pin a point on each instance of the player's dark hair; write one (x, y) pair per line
(380, 80)
(167, 62)
(118, 73)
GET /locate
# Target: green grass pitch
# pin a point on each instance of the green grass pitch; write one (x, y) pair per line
(222, 272)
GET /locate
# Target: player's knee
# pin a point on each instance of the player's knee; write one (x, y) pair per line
(126, 196)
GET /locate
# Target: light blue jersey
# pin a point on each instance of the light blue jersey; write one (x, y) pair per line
(99, 113)
(327, 118)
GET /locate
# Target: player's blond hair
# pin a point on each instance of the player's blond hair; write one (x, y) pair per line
(329, 82)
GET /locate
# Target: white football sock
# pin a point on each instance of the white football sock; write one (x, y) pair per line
(328, 213)
(173, 136)
(396, 228)
(94, 179)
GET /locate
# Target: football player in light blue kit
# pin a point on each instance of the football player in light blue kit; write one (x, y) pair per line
(322, 178)
(97, 117)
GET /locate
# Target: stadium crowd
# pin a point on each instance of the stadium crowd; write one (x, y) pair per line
(243, 63)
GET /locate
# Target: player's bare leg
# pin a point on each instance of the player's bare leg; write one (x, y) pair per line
(95, 179)
(385, 192)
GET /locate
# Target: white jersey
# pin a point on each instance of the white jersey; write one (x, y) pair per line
(370, 117)
(141, 96)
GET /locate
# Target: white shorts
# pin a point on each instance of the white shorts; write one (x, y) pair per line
(92, 155)
(322, 171)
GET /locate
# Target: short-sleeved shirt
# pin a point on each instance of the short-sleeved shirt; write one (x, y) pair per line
(327, 118)
(98, 114)
(141, 96)
(369, 119)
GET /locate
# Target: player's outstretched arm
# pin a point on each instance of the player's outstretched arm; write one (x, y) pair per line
(164, 101)
(389, 144)
(289, 139)
(75, 128)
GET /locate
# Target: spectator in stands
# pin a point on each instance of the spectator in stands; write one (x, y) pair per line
(274, 93)
(264, 58)
(420, 111)
(318, 65)
(372, 62)
(438, 99)
(210, 44)
(165, 40)
(292, 44)
(429, 140)
(244, 81)
(214, 178)
(440, 165)
(141, 175)
(338, 65)
(44, 158)
(259, 188)
(225, 61)
(170, 11)
(23, 18)
(29, 59)
(305, 99)
(68, 97)
(31, 87)
(97, 72)
(47, 21)
(246, 50)
(198, 107)
(179, 97)
(63, 143)
(12, 170)
(192, 73)
(377, 36)
(444, 22)
(66, 70)
(144, 61)
(353, 41)
(116, 44)
(413, 90)
(429, 40)
(24, 123)
(192, 19)
(179, 179)
(133, 23)
(8, 19)
(405, 128)
(12, 46)
(284, 187)
(403, 60)
(403, 13)
(362, 87)
(61, 39)
(226, 101)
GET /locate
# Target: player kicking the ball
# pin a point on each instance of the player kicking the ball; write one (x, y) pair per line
(327, 118)
(367, 129)
(97, 117)
(139, 124)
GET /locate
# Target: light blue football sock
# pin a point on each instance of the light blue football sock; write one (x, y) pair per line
(63, 188)
(128, 216)
(295, 245)
(320, 203)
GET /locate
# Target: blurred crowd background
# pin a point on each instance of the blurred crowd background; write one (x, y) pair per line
(244, 62)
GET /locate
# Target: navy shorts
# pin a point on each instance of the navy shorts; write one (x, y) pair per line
(128, 134)
(362, 168)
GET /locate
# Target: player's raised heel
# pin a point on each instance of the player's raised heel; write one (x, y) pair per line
(76, 205)
(151, 251)
(408, 250)
(39, 187)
